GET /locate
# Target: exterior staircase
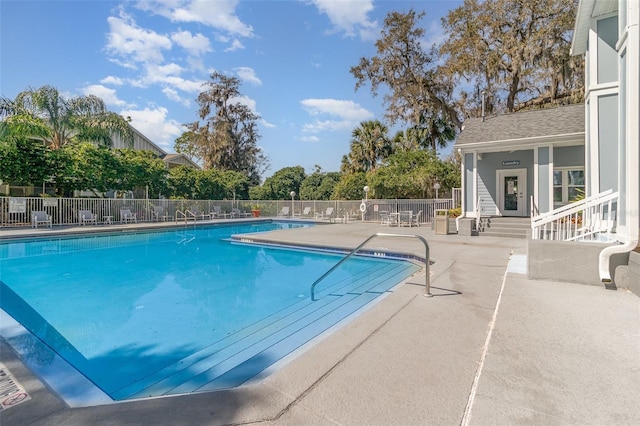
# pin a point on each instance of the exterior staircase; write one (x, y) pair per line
(500, 226)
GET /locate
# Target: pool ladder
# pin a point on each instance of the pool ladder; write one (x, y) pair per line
(427, 290)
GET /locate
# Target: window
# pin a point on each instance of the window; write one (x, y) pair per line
(568, 185)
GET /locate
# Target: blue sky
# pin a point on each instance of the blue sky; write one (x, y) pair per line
(148, 59)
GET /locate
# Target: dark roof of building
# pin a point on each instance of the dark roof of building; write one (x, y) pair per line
(533, 124)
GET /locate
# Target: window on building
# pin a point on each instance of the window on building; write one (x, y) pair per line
(568, 186)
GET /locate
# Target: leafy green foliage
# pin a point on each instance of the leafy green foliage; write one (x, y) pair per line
(412, 174)
(518, 51)
(370, 144)
(225, 136)
(319, 185)
(44, 115)
(279, 186)
(350, 187)
(23, 162)
(407, 69)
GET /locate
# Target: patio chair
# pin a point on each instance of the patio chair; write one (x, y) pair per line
(218, 213)
(327, 214)
(284, 211)
(86, 216)
(404, 218)
(306, 213)
(126, 216)
(235, 212)
(415, 219)
(40, 218)
(159, 213)
(385, 218)
(197, 214)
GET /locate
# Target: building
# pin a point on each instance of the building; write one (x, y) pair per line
(536, 163)
(517, 162)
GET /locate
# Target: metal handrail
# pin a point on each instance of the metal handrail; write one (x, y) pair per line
(427, 291)
(185, 215)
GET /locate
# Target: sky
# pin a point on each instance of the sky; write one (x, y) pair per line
(148, 60)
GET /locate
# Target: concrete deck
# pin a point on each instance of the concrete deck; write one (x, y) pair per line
(491, 347)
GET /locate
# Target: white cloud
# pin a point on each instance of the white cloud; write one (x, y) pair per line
(235, 45)
(348, 114)
(249, 75)
(335, 107)
(153, 123)
(327, 126)
(174, 96)
(116, 81)
(134, 44)
(219, 14)
(312, 139)
(350, 16)
(196, 45)
(107, 94)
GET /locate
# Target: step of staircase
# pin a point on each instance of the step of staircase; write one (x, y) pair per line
(239, 357)
(505, 227)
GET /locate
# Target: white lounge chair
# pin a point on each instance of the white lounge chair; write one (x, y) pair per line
(197, 214)
(284, 211)
(385, 218)
(86, 216)
(126, 216)
(40, 218)
(218, 213)
(235, 212)
(415, 219)
(306, 212)
(327, 214)
(158, 213)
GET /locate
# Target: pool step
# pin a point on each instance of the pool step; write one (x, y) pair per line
(235, 359)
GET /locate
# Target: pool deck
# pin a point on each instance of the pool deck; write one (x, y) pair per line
(490, 347)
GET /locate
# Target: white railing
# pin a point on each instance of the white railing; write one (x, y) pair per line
(478, 213)
(17, 211)
(590, 219)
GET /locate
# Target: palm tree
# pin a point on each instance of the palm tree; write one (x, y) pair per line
(369, 145)
(44, 115)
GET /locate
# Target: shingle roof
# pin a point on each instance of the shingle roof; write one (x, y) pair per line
(534, 124)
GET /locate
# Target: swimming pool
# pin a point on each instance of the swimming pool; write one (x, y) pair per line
(183, 310)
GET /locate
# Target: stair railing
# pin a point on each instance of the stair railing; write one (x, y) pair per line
(427, 291)
(582, 220)
(478, 210)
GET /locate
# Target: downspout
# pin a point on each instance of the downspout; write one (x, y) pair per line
(605, 255)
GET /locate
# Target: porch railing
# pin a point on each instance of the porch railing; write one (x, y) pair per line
(590, 219)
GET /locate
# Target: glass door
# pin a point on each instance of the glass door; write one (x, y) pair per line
(512, 188)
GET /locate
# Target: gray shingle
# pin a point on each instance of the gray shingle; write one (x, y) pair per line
(558, 121)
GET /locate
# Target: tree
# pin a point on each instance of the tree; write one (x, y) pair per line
(281, 183)
(44, 115)
(516, 51)
(412, 174)
(350, 187)
(23, 162)
(409, 71)
(369, 145)
(226, 135)
(140, 169)
(319, 185)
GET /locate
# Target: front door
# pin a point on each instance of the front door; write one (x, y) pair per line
(512, 192)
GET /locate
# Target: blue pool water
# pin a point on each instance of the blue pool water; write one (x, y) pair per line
(155, 313)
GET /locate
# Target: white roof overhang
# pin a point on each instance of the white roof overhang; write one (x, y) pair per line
(569, 139)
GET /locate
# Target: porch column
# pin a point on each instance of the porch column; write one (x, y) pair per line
(543, 178)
